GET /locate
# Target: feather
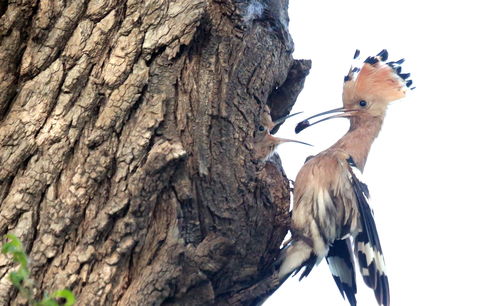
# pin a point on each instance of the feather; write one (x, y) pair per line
(383, 55)
(396, 63)
(293, 257)
(341, 264)
(376, 81)
(308, 266)
(356, 54)
(367, 244)
(404, 76)
(372, 60)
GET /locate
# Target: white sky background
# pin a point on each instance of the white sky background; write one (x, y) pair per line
(432, 171)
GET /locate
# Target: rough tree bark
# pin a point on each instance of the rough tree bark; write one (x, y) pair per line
(126, 143)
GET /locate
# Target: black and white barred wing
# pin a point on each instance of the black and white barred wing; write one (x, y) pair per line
(368, 250)
(341, 264)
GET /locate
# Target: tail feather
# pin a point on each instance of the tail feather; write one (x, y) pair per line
(295, 256)
(341, 264)
(308, 266)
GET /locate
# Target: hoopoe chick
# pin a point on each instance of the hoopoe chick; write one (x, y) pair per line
(331, 209)
(264, 142)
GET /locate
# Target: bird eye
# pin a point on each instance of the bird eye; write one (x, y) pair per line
(363, 103)
(261, 128)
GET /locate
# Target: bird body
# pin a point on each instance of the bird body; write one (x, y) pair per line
(330, 202)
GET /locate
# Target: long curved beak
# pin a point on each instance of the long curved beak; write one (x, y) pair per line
(284, 140)
(344, 113)
(281, 120)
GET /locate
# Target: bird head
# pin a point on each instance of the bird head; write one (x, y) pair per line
(265, 142)
(267, 124)
(368, 91)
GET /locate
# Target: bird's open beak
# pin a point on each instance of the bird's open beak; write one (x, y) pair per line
(343, 113)
(281, 120)
(284, 140)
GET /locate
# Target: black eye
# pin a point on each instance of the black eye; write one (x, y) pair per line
(261, 128)
(362, 103)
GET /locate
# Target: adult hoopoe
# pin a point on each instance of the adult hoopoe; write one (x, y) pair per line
(330, 202)
(264, 142)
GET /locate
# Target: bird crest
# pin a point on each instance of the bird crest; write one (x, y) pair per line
(377, 80)
(367, 90)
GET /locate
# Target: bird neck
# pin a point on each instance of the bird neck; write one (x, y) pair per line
(358, 140)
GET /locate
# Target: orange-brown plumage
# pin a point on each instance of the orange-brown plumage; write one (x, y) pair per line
(330, 203)
(375, 83)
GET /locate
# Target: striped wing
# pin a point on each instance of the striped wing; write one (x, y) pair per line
(341, 264)
(368, 250)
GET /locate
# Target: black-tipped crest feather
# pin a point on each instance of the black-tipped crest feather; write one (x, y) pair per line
(383, 55)
(356, 54)
(404, 76)
(372, 60)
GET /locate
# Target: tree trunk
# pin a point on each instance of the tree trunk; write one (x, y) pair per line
(126, 147)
